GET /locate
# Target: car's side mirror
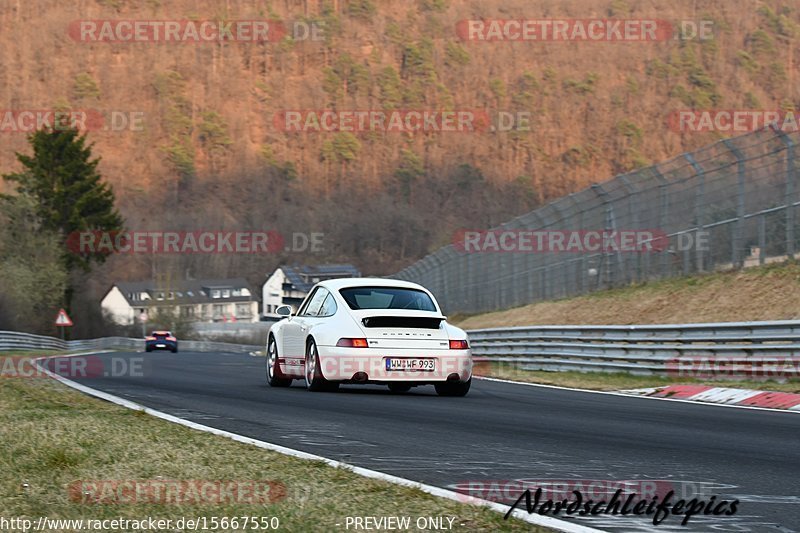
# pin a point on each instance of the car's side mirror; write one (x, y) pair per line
(284, 310)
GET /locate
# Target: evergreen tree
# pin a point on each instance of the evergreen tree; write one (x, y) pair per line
(67, 189)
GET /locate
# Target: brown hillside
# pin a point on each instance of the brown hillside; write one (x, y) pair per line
(210, 145)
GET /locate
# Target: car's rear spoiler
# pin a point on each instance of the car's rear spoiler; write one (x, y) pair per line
(415, 322)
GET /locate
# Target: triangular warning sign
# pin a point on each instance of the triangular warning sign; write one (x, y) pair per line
(62, 319)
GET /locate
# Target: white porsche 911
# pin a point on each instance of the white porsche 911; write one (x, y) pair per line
(365, 330)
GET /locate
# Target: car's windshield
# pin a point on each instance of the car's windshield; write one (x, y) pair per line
(387, 298)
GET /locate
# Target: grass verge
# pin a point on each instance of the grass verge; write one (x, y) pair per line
(53, 437)
(769, 292)
(616, 381)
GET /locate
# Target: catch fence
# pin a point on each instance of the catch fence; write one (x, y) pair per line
(728, 205)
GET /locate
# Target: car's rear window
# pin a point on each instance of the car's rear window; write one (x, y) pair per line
(387, 298)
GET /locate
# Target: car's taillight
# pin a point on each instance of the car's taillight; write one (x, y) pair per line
(458, 345)
(352, 343)
(171, 339)
(149, 338)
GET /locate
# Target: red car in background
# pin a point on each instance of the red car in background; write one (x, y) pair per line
(161, 340)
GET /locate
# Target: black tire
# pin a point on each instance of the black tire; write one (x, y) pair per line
(275, 377)
(453, 388)
(314, 380)
(399, 388)
(174, 350)
(148, 349)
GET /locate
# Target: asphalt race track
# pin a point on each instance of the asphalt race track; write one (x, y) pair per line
(499, 431)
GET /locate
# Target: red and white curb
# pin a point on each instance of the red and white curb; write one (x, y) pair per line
(723, 395)
(652, 394)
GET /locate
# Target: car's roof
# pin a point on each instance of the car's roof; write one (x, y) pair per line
(344, 283)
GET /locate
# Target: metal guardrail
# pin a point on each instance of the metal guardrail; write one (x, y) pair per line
(15, 340)
(646, 349)
(208, 346)
(638, 349)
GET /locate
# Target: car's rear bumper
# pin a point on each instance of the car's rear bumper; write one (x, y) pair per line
(369, 364)
(166, 346)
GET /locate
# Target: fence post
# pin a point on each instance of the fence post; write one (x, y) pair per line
(738, 235)
(425, 278)
(552, 283)
(484, 260)
(663, 211)
(531, 260)
(610, 225)
(790, 189)
(466, 285)
(444, 291)
(414, 273)
(699, 207)
(546, 215)
(630, 273)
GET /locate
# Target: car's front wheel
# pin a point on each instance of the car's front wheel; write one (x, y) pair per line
(453, 388)
(274, 375)
(313, 373)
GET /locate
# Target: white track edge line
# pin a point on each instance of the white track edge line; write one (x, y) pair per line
(623, 395)
(539, 520)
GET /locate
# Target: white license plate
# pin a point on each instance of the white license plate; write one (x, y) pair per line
(410, 364)
(161, 345)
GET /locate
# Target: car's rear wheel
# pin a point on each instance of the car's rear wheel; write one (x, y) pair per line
(274, 375)
(453, 388)
(313, 373)
(399, 387)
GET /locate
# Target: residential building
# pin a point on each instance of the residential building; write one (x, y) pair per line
(289, 284)
(209, 300)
